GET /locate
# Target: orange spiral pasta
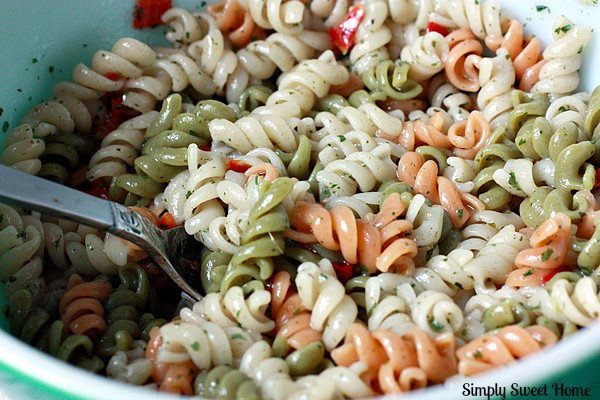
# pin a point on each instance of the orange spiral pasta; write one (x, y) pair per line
(394, 363)
(423, 177)
(461, 64)
(80, 307)
(359, 241)
(470, 136)
(417, 133)
(292, 319)
(526, 53)
(265, 170)
(235, 22)
(550, 244)
(505, 346)
(169, 377)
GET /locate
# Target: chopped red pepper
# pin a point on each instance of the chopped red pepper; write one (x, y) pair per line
(237, 166)
(553, 272)
(166, 221)
(597, 183)
(205, 147)
(433, 27)
(115, 113)
(147, 13)
(99, 189)
(344, 271)
(113, 76)
(343, 36)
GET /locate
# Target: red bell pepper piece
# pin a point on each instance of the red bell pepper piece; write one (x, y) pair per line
(597, 183)
(344, 271)
(147, 13)
(553, 272)
(99, 189)
(166, 221)
(237, 166)
(205, 147)
(113, 76)
(433, 27)
(343, 36)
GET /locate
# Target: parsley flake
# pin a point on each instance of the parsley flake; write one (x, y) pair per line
(196, 346)
(546, 255)
(512, 180)
(528, 272)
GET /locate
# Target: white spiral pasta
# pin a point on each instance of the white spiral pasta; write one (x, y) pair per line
(261, 58)
(203, 342)
(495, 260)
(183, 26)
(367, 117)
(233, 309)
(281, 16)
(372, 38)
(333, 12)
(461, 173)
(359, 170)
(577, 302)
(332, 311)
(446, 274)
(271, 375)
(362, 204)
(560, 75)
(445, 96)
(426, 56)
(255, 131)
(496, 77)
(222, 66)
(427, 223)
(570, 108)
(483, 225)
(432, 311)
(119, 149)
(299, 88)
(385, 310)
(481, 17)
(521, 177)
(130, 366)
(22, 150)
(191, 197)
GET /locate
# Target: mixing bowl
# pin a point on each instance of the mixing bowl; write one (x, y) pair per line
(42, 41)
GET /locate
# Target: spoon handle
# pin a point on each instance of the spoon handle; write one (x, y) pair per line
(31, 192)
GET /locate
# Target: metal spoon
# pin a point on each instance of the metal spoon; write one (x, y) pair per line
(173, 250)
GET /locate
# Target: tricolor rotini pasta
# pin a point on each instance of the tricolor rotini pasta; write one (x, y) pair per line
(384, 194)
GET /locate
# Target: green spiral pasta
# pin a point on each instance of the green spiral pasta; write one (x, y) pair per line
(253, 97)
(224, 382)
(74, 349)
(27, 321)
(165, 152)
(391, 80)
(63, 154)
(545, 201)
(508, 312)
(526, 106)
(298, 162)
(262, 239)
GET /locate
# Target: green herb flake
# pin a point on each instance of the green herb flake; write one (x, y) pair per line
(51, 69)
(34, 60)
(507, 56)
(436, 326)
(477, 354)
(342, 138)
(458, 285)
(528, 272)
(196, 346)
(460, 213)
(295, 312)
(564, 28)
(541, 7)
(522, 141)
(546, 255)
(322, 277)
(188, 194)
(512, 180)
(238, 336)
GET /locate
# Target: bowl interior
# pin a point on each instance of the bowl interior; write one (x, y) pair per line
(43, 41)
